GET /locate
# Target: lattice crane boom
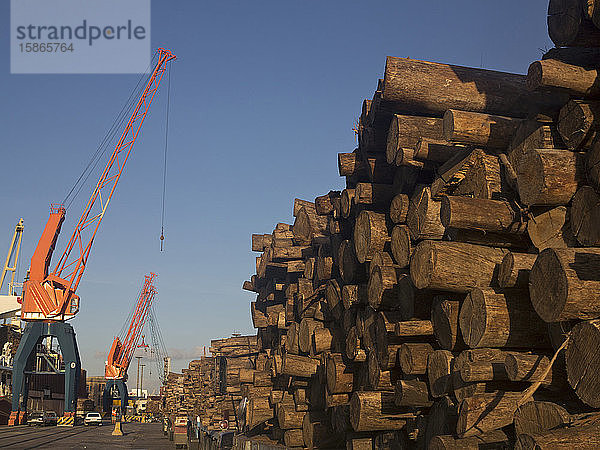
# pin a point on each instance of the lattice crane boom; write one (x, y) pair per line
(123, 348)
(51, 296)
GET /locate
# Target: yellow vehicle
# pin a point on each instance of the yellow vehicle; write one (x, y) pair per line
(180, 431)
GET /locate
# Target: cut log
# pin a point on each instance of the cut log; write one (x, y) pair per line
(305, 332)
(493, 132)
(351, 271)
(537, 417)
(413, 357)
(381, 380)
(401, 245)
(354, 295)
(383, 288)
(585, 216)
(435, 150)
(532, 367)
(289, 418)
(444, 318)
(413, 393)
(454, 266)
(549, 177)
(577, 56)
(299, 366)
(399, 208)
(514, 270)
(431, 88)
(483, 179)
(333, 294)
(381, 259)
(486, 412)
(347, 202)
(405, 132)
(353, 350)
(370, 234)
(572, 80)
(423, 217)
(593, 164)
(582, 437)
(564, 284)
(492, 357)
(308, 224)
(413, 328)
(578, 124)
(442, 419)
(480, 214)
(569, 27)
(317, 432)
(260, 242)
(516, 242)
(339, 376)
(323, 340)
(377, 196)
(452, 172)
(491, 439)
(324, 203)
(373, 411)
(550, 228)
(583, 362)
(532, 134)
(493, 319)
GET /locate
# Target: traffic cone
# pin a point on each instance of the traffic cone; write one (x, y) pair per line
(117, 431)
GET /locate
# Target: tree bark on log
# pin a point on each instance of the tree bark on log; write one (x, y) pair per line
(370, 235)
(480, 214)
(435, 150)
(549, 177)
(413, 357)
(423, 217)
(377, 196)
(289, 418)
(401, 245)
(354, 295)
(299, 366)
(492, 319)
(305, 332)
(376, 411)
(339, 376)
(578, 124)
(491, 439)
(354, 352)
(324, 204)
(399, 208)
(485, 130)
(550, 228)
(572, 80)
(454, 266)
(483, 179)
(564, 285)
(486, 412)
(420, 87)
(412, 393)
(444, 318)
(583, 437)
(569, 27)
(514, 270)
(405, 131)
(583, 362)
(383, 288)
(537, 417)
(585, 216)
(351, 271)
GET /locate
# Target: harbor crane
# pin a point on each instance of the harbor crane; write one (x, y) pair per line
(10, 304)
(49, 296)
(124, 346)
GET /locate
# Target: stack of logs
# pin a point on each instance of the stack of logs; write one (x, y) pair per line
(449, 296)
(212, 386)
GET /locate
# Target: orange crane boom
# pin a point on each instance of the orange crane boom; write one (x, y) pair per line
(51, 296)
(121, 351)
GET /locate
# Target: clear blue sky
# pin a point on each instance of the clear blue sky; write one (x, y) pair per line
(264, 96)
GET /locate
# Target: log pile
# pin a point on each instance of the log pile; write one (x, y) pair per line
(212, 386)
(448, 296)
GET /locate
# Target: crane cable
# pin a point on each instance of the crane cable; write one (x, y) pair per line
(162, 219)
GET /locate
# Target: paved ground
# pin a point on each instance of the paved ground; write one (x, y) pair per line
(136, 436)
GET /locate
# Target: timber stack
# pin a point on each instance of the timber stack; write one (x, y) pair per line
(449, 296)
(212, 386)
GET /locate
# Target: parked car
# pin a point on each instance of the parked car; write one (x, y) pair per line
(42, 418)
(92, 418)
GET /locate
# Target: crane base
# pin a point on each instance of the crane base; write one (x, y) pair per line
(34, 332)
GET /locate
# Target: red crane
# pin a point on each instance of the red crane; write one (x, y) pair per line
(49, 296)
(122, 349)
